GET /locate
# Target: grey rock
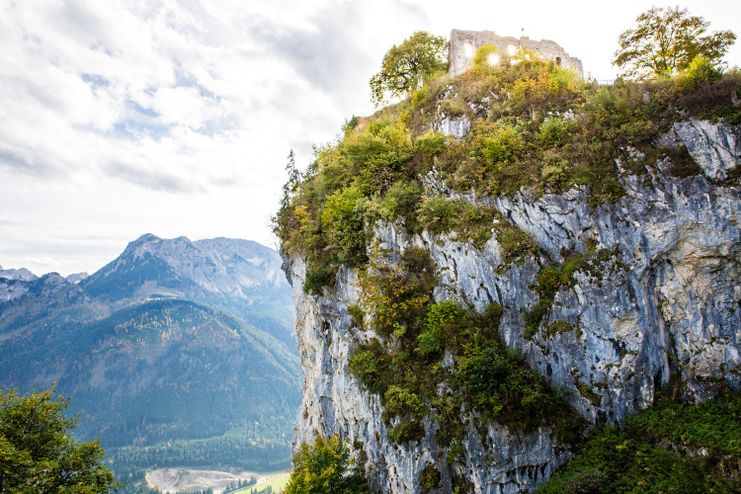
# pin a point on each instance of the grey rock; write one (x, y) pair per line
(666, 302)
(457, 127)
(716, 147)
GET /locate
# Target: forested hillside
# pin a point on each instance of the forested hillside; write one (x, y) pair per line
(177, 353)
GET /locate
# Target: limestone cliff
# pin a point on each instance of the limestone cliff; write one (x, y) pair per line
(664, 304)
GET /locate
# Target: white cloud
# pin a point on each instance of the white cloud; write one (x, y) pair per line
(175, 117)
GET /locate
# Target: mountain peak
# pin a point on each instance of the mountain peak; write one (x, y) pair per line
(147, 237)
(77, 277)
(21, 274)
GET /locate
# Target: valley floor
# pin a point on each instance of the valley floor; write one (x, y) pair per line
(173, 480)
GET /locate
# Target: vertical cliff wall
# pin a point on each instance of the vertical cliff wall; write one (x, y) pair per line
(663, 304)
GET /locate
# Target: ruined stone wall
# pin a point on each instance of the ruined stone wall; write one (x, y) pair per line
(463, 46)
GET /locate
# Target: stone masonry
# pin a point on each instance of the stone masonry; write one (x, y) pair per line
(463, 46)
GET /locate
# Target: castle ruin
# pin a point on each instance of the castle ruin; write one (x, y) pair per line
(463, 46)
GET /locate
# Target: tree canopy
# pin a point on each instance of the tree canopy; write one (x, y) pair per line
(666, 40)
(324, 468)
(37, 453)
(407, 66)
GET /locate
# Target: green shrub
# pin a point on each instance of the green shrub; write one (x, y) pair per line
(554, 132)
(317, 277)
(401, 402)
(401, 201)
(442, 315)
(470, 222)
(397, 294)
(380, 153)
(701, 70)
(549, 281)
(406, 430)
(409, 408)
(515, 244)
(504, 145)
(557, 327)
(431, 144)
(429, 344)
(429, 479)
(325, 466)
(342, 222)
(357, 315)
(369, 364)
(657, 451)
(438, 214)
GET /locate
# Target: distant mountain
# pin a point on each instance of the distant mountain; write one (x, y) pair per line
(173, 340)
(76, 277)
(237, 276)
(22, 274)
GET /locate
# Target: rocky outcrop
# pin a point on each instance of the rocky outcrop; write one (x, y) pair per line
(662, 304)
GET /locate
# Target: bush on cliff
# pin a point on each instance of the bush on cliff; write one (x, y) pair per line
(671, 448)
(323, 467)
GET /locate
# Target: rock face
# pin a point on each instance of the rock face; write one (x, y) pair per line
(665, 304)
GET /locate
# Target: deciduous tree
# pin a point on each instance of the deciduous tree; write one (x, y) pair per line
(324, 468)
(407, 66)
(666, 40)
(38, 454)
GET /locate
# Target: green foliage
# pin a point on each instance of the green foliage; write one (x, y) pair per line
(438, 214)
(712, 424)
(657, 451)
(515, 244)
(534, 126)
(400, 201)
(368, 364)
(357, 314)
(445, 314)
(554, 132)
(553, 278)
(379, 153)
(397, 294)
(324, 467)
(429, 479)
(408, 409)
(470, 223)
(498, 147)
(342, 222)
(407, 66)
(38, 454)
(429, 344)
(431, 143)
(503, 389)
(700, 70)
(485, 55)
(488, 379)
(666, 40)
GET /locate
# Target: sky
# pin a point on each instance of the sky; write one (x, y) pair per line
(120, 118)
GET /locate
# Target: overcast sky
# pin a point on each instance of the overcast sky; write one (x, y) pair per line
(175, 117)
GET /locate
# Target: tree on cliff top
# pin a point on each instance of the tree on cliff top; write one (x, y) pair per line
(665, 41)
(409, 65)
(37, 454)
